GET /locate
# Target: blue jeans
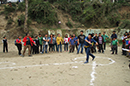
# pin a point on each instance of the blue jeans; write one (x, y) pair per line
(59, 46)
(82, 46)
(44, 48)
(66, 47)
(87, 50)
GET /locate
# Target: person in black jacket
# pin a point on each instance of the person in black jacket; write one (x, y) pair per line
(36, 47)
(96, 39)
(100, 43)
(5, 45)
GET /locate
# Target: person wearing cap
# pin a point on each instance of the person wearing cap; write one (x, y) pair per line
(28, 42)
(81, 40)
(40, 38)
(87, 45)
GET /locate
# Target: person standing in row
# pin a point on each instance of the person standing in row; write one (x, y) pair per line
(19, 44)
(114, 45)
(87, 46)
(66, 43)
(72, 44)
(81, 40)
(96, 39)
(45, 43)
(104, 37)
(5, 44)
(28, 42)
(55, 45)
(100, 43)
(59, 41)
(40, 38)
(51, 43)
(76, 42)
(37, 45)
(113, 36)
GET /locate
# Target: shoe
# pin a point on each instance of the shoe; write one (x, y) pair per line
(77, 53)
(112, 53)
(93, 58)
(22, 55)
(86, 62)
(82, 53)
(30, 55)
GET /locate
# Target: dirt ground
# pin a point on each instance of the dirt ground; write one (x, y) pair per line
(63, 69)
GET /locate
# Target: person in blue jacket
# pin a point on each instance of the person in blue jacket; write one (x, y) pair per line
(87, 45)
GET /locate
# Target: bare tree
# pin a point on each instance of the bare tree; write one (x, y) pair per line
(26, 16)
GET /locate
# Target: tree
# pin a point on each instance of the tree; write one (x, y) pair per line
(26, 17)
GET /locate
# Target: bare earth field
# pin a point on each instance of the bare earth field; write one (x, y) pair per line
(63, 69)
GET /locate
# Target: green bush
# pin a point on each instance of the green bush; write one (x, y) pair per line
(42, 12)
(69, 24)
(22, 18)
(8, 9)
(10, 21)
(21, 6)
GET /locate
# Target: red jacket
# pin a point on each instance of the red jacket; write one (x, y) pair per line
(31, 40)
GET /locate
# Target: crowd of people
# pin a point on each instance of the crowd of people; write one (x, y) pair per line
(92, 43)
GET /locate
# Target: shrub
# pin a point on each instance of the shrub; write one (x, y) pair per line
(21, 6)
(69, 24)
(10, 21)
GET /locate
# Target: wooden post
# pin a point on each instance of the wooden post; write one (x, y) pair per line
(26, 17)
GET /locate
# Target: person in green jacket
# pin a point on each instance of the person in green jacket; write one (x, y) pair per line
(104, 37)
(40, 42)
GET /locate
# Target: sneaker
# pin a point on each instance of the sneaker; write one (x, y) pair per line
(77, 53)
(93, 58)
(22, 55)
(112, 53)
(82, 53)
(86, 62)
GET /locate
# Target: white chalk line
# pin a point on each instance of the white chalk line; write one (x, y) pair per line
(93, 66)
(93, 73)
(27, 66)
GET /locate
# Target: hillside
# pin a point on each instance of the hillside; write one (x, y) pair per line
(72, 15)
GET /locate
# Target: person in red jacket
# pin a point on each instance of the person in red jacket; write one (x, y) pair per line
(28, 42)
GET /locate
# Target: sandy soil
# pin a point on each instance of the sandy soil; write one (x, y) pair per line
(60, 69)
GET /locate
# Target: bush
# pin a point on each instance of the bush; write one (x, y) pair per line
(21, 6)
(8, 9)
(10, 21)
(22, 18)
(69, 24)
(42, 12)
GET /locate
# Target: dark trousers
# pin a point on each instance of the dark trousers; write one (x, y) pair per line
(72, 48)
(114, 48)
(76, 47)
(51, 46)
(123, 52)
(40, 48)
(101, 48)
(35, 49)
(66, 47)
(5, 47)
(104, 46)
(94, 48)
(19, 47)
(87, 50)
